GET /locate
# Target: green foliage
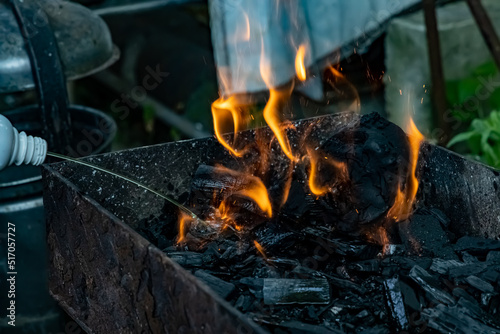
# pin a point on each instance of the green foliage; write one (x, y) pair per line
(482, 139)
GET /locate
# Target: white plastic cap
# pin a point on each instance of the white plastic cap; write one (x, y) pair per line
(19, 148)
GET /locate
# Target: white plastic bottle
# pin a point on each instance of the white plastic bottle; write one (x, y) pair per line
(19, 148)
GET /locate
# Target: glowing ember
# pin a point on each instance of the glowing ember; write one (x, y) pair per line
(403, 203)
(300, 67)
(260, 249)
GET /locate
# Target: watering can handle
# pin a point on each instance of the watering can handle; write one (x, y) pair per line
(48, 74)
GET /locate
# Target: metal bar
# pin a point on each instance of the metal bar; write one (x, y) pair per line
(438, 88)
(487, 29)
(48, 74)
(165, 114)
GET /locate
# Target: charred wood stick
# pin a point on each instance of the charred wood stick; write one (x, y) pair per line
(296, 291)
(487, 29)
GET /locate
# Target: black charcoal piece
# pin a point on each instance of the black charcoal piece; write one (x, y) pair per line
(491, 275)
(409, 297)
(376, 154)
(467, 270)
(367, 266)
(255, 285)
(443, 266)
(455, 319)
(395, 302)
(222, 288)
(302, 328)
(429, 284)
(279, 291)
(476, 244)
(480, 284)
(493, 257)
(461, 293)
(187, 259)
(423, 234)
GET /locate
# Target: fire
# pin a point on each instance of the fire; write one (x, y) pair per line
(300, 67)
(255, 190)
(403, 203)
(225, 111)
(260, 249)
(184, 220)
(319, 188)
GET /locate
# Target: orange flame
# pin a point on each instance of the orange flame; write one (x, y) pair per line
(184, 220)
(351, 90)
(254, 190)
(300, 67)
(402, 207)
(260, 249)
(317, 188)
(380, 237)
(277, 100)
(224, 111)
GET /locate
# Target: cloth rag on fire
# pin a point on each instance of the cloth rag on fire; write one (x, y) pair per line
(243, 32)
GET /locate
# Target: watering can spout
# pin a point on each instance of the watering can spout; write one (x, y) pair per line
(19, 148)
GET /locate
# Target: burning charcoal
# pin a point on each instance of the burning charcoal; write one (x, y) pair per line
(296, 291)
(422, 234)
(480, 284)
(211, 186)
(476, 245)
(395, 302)
(276, 237)
(187, 259)
(220, 287)
(430, 285)
(443, 266)
(376, 154)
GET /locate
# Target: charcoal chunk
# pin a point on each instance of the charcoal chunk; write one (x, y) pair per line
(443, 266)
(476, 244)
(376, 154)
(221, 287)
(423, 234)
(296, 291)
(480, 284)
(395, 302)
(429, 285)
(187, 259)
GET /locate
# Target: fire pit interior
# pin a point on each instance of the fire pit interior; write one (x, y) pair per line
(344, 240)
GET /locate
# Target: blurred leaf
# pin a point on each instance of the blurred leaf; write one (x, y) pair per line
(483, 139)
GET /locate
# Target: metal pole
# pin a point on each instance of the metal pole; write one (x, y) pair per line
(487, 29)
(438, 88)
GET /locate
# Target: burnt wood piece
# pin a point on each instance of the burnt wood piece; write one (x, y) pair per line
(220, 287)
(423, 234)
(376, 153)
(395, 302)
(280, 291)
